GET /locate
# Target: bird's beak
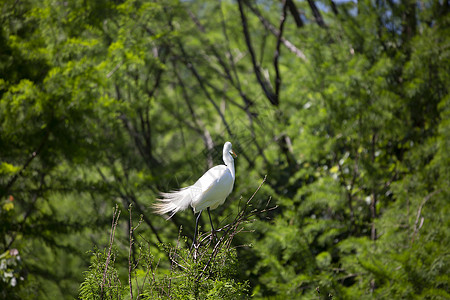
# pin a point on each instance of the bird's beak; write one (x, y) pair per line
(234, 154)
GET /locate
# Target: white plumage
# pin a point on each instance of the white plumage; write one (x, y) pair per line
(209, 191)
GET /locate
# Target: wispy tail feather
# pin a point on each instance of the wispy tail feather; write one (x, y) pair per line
(172, 202)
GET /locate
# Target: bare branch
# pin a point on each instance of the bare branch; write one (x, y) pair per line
(419, 212)
(317, 14)
(114, 69)
(262, 81)
(334, 7)
(33, 155)
(277, 52)
(232, 229)
(291, 47)
(294, 12)
(130, 251)
(116, 215)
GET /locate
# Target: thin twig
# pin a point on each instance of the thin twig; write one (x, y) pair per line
(114, 69)
(419, 211)
(129, 252)
(116, 215)
(260, 185)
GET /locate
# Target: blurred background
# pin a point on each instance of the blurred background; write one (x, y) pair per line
(344, 105)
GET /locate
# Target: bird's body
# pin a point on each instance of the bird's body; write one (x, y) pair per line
(209, 191)
(213, 187)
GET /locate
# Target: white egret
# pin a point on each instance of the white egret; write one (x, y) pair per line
(209, 191)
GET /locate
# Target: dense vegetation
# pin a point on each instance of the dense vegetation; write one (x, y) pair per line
(343, 105)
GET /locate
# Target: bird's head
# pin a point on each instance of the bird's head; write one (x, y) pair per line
(227, 148)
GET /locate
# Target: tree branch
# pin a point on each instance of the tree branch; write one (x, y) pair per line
(294, 12)
(33, 155)
(27, 213)
(419, 212)
(262, 81)
(277, 52)
(116, 216)
(291, 47)
(317, 14)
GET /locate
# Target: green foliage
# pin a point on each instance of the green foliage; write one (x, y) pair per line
(209, 276)
(207, 271)
(102, 280)
(106, 103)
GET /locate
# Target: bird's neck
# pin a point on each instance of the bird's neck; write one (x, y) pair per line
(231, 168)
(229, 162)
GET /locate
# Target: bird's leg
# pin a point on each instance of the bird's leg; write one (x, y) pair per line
(196, 229)
(213, 232)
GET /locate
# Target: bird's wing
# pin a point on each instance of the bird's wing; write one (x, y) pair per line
(212, 188)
